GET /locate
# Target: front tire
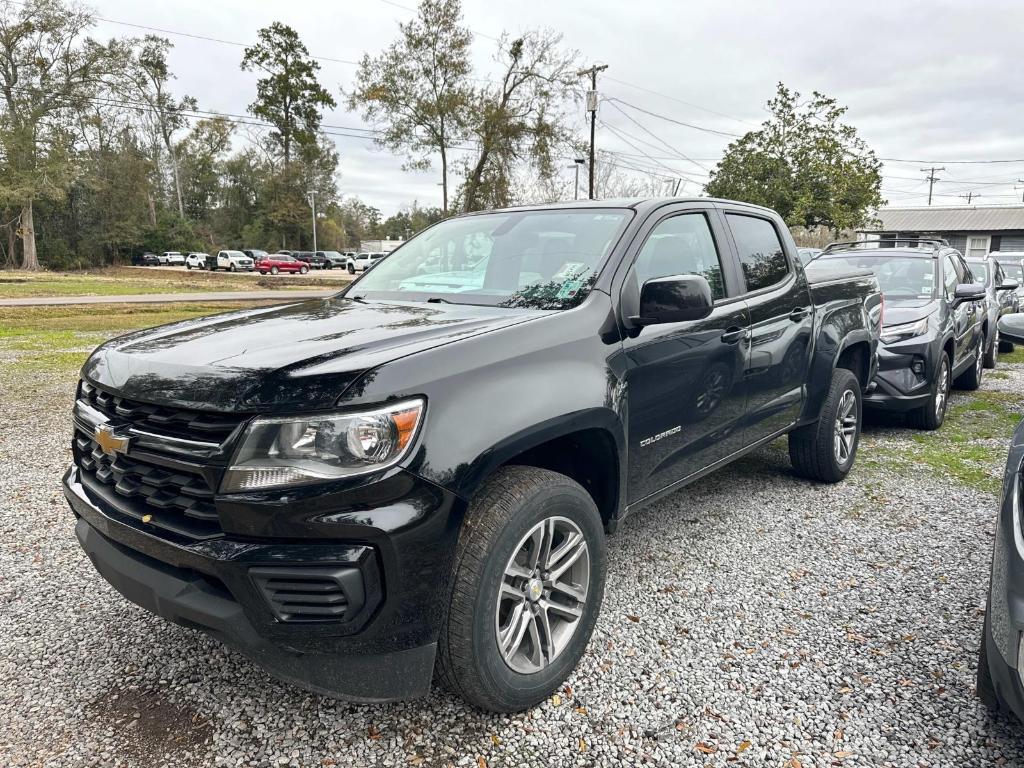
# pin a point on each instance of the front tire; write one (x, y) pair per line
(986, 688)
(825, 450)
(231, 268)
(527, 588)
(933, 413)
(303, 270)
(351, 269)
(971, 378)
(274, 270)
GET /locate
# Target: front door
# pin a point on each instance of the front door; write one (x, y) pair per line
(781, 324)
(684, 380)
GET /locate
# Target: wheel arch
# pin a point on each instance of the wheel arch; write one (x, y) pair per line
(589, 448)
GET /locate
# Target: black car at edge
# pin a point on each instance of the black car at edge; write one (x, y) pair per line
(934, 324)
(1001, 656)
(360, 490)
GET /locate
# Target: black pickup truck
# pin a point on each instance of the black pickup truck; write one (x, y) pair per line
(416, 474)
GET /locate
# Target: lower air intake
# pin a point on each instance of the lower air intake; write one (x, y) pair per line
(317, 594)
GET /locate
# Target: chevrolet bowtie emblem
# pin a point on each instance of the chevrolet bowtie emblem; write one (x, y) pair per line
(108, 442)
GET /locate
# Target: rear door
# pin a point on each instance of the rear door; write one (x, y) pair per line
(683, 380)
(966, 316)
(781, 323)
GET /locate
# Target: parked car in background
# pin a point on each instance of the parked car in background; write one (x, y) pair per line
(1001, 655)
(363, 261)
(232, 261)
(807, 255)
(989, 273)
(149, 260)
(935, 330)
(314, 260)
(280, 262)
(346, 507)
(335, 259)
(254, 253)
(196, 260)
(1012, 263)
(172, 259)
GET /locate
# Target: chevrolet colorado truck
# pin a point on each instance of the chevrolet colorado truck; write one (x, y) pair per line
(414, 478)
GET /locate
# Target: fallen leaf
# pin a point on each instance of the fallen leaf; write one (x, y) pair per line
(794, 763)
(372, 732)
(556, 700)
(480, 762)
(634, 619)
(495, 740)
(707, 749)
(842, 755)
(568, 690)
(581, 710)
(583, 746)
(846, 689)
(743, 747)
(328, 761)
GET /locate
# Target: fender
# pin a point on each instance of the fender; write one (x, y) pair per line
(828, 348)
(602, 419)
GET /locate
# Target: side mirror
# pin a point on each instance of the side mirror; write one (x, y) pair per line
(1008, 285)
(673, 300)
(968, 292)
(1011, 328)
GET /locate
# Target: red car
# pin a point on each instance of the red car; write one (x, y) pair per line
(280, 262)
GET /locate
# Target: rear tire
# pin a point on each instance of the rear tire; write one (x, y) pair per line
(303, 270)
(1005, 347)
(933, 413)
(231, 268)
(274, 270)
(992, 353)
(825, 450)
(518, 512)
(351, 269)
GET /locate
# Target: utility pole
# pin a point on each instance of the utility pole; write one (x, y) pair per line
(969, 196)
(312, 202)
(931, 180)
(577, 162)
(592, 109)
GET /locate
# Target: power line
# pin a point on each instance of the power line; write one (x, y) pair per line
(685, 103)
(677, 122)
(650, 133)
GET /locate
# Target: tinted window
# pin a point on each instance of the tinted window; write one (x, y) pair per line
(760, 251)
(950, 277)
(681, 245)
(900, 275)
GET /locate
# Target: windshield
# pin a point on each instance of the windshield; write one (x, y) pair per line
(540, 259)
(900, 277)
(1014, 272)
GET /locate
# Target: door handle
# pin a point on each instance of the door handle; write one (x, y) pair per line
(799, 313)
(734, 334)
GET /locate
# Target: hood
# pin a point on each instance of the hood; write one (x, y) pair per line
(899, 311)
(292, 357)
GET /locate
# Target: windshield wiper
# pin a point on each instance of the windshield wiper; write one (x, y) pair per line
(360, 299)
(438, 300)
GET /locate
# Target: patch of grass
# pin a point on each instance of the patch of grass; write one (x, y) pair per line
(57, 340)
(124, 281)
(1017, 356)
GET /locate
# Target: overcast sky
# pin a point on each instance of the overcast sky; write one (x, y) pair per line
(924, 81)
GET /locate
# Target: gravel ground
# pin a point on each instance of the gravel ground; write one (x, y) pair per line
(752, 619)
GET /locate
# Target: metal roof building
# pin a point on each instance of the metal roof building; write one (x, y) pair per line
(972, 229)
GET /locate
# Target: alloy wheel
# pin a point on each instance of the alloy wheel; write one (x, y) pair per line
(542, 595)
(845, 427)
(942, 392)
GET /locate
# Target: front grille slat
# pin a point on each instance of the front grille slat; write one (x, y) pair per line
(165, 486)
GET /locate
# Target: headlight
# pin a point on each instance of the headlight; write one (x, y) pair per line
(296, 451)
(894, 333)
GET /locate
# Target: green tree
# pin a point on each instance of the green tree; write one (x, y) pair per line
(417, 92)
(203, 152)
(49, 71)
(521, 120)
(289, 96)
(804, 163)
(150, 77)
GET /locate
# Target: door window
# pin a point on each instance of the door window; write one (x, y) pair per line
(682, 245)
(949, 276)
(760, 250)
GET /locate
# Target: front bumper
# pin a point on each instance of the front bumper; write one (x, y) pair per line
(384, 651)
(1005, 614)
(896, 386)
